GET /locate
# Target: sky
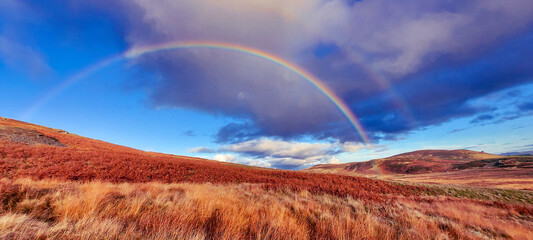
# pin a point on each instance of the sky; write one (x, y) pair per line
(274, 83)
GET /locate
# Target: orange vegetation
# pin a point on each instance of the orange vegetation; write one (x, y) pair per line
(56, 185)
(443, 167)
(86, 159)
(96, 210)
(498, 178)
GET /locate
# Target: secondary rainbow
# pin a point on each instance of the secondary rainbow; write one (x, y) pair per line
(376, 76)
(138, 51)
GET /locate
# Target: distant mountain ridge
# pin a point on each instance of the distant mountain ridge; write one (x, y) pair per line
(427, 161)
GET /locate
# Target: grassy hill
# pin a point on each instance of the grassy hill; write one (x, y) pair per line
(443, 166)
(57, 185)
(31, 151)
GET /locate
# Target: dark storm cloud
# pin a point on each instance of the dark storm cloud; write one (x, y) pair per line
(237, 132)
(439, 57)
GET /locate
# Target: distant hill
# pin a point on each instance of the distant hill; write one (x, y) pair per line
(422, 161)
(443, 166)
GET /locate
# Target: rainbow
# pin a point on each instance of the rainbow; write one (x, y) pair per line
(375, 75)
(139, 51)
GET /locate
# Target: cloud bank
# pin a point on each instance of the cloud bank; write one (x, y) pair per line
(280, 154)
(399, 65)
(433, 57)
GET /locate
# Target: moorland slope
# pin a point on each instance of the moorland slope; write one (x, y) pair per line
(443, 166)
(58, 185)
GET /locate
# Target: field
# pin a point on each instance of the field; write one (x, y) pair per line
(57, 185)
(97, 210)
(493, 178)
(508, 179)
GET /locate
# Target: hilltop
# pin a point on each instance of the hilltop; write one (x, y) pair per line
(443, 166)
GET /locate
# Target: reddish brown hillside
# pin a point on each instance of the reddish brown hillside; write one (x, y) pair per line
(426, 161)
(459, 154)
(444, 166)
(28, 150)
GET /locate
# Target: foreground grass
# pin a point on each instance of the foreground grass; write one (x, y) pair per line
(97, 210)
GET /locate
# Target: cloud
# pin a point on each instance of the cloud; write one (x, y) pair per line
(399, 65)
(507, 105)
(526, 106)
(201, 150)
(457, 130)
(277, 148)
(281, 154)
(415, 38)
(14, 52)
(18, 11)
(237, 132)
(482, 118)
(297, 164)
(224, 157)
(190, 133)
(416, 33)
(23, 58)
(351, 147)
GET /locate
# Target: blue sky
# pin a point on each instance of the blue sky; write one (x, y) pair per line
(418, 75)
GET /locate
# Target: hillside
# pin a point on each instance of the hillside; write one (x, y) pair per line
(425, 161)
(443, 166)
(37, 152)
(57, 185)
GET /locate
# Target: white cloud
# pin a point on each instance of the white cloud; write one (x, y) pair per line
(351, 147)
(279, 148)
(334, 160)
(201, 150)
(225, 157)
(266, 152)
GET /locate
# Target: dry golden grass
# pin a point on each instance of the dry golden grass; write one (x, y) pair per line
(50, 209)
(496, 178)
(493, 178)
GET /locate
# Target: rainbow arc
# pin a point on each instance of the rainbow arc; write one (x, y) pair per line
(139, 51)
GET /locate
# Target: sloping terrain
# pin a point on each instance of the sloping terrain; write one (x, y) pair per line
(444, 166)
(422, 161)
(60, 155)
(57, 185)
